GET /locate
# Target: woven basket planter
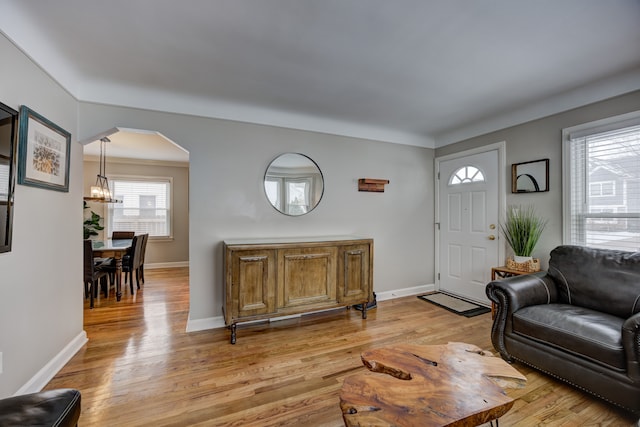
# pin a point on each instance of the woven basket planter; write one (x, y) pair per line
(530, 266)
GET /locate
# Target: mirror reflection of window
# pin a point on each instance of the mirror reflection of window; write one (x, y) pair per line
(293, 184)
(298, 195)
(4, 180)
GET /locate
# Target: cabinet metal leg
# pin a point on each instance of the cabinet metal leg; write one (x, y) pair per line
(233, 328)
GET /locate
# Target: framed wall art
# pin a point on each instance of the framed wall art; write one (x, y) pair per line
(530, 177)
(43, 152)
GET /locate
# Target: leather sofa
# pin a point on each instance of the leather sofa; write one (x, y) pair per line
(59, 408)
(579, 321)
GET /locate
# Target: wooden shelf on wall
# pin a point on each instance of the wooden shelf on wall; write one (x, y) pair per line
(373, 185)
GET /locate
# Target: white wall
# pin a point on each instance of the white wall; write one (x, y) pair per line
(41, 278)
(541, 139)
(226, 197)
(159, 252)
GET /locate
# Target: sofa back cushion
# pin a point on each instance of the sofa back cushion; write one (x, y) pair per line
(600, 279)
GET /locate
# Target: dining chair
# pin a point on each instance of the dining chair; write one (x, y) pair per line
(127, 261)
(135, 261)
(142, 255)
(115, 235)
(95, 271)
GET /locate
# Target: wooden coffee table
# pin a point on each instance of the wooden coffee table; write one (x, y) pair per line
(429, 385)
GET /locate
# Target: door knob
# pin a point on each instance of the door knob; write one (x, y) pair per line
(492, 237)
(492, 226)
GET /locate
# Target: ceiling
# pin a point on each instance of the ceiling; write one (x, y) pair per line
(132, 144)
(419, 72)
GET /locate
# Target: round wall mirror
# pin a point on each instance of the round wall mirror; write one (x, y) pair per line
(293, 184)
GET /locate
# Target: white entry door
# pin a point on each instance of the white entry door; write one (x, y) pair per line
(468, 220)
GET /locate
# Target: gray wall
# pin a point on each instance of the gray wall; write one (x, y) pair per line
(41, 278)
(226, 196)
(159, 252)
(543, 139)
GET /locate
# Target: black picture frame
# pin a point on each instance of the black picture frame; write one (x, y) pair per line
(530, 177)
(8, 165)
(43, 152)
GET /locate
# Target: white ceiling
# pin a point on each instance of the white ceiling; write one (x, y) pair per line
(420, 72)
(126, 144)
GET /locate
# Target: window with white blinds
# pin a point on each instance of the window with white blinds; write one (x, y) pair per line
(145, 207)
(602, 184)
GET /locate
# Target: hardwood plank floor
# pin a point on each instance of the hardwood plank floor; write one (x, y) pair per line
(140, 368)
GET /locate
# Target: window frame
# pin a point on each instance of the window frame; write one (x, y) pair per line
(148, 179)
(466, 180)
(599, 126)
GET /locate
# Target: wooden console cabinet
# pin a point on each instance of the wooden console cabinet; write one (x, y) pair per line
(267, 278)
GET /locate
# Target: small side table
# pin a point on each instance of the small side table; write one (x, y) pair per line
(502, 273)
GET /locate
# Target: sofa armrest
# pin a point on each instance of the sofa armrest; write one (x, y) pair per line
(511, 294)
(631, 345)
(517, 292)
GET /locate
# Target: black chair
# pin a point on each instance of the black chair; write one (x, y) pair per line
(117, 235)
(133, 263)
(141, 260)
(132, 260)
(94, 271)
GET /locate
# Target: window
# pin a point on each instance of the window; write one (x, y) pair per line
(602, 183)
(601, 189)
(466, 174)
(291, 195)
(145, 207)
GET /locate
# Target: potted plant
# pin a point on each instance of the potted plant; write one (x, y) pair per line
(92, 224)
(522, 229)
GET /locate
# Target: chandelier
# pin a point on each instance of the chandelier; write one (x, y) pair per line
(100, 192)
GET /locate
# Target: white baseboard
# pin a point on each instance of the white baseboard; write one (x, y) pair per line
(194, 325)
(157, 265)
(405, 292)
(44, 375)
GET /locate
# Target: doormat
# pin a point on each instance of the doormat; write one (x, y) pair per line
(456, 305)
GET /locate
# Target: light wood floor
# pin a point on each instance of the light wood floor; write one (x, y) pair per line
(141, 368)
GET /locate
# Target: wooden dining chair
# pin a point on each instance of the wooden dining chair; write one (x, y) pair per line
(115, 235)
(95, 272)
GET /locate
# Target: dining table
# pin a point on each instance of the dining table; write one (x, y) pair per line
(116, 249)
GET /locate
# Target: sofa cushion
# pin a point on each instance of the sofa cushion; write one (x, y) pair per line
(59, 408)
(580, 331)
(600, 279)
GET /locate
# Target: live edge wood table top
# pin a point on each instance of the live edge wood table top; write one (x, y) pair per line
(429, 385)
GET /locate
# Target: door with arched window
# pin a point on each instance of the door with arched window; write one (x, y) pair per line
(468, 209)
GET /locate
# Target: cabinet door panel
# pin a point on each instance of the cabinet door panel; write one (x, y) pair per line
(253, 282)
(307, 275)
(354, 268)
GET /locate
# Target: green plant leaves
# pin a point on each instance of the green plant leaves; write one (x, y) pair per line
(522, 229)
(92, 225)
